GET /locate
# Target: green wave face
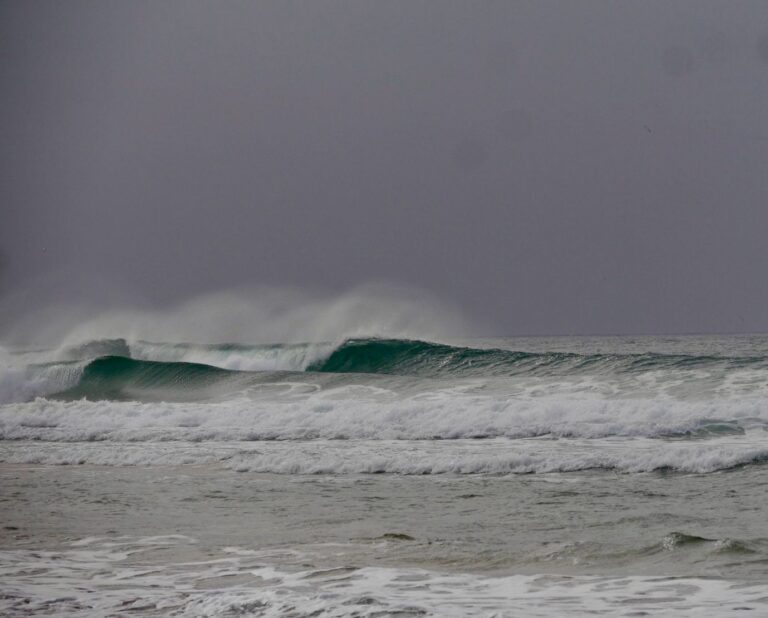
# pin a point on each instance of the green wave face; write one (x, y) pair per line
(120, 378)
(405, 357)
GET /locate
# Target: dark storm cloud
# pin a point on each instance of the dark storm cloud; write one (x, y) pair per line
(549, 166)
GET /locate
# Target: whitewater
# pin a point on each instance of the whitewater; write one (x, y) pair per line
(377, 476)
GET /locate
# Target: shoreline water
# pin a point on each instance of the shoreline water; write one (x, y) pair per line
(665, 544)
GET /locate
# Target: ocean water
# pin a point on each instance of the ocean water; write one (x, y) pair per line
(618, 476)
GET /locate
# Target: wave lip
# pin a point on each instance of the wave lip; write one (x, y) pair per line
(181, 371)
(237, 357)
(93, 349)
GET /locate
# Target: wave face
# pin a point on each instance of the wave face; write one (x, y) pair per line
(405, 357)
(370, 390)
(118, 378)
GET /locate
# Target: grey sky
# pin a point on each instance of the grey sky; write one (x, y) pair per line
(550, 167)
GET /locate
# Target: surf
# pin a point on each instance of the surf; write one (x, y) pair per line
(119, 369)
(120, 378)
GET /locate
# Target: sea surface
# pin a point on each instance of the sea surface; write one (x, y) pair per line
(616, 476)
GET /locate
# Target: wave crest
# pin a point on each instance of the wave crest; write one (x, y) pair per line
(116, 369)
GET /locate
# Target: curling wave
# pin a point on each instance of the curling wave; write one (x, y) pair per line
(145, 371)
(408, 357)
(119, 378)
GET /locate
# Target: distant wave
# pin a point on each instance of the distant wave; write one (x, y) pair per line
(373, 405)
(407, 357)
(390, 356)
(120, 378)
(118, 370)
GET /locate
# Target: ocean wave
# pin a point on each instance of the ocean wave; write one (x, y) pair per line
(119, 378)
(406, 357)
(148, 371)
(24, 383)
(236, 357)
(468, 457)
(696, 461)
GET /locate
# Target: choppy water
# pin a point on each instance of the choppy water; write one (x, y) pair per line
(388, 477)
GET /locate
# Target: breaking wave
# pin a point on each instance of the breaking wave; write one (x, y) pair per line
(406, 357)
(421, 458)
(116, 369)
(544, 411)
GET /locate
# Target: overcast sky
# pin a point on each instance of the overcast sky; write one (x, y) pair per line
(550, 167)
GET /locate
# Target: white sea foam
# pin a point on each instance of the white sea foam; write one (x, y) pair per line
(428, 457)
(21, 382)
(352, 413)
(99, 577)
